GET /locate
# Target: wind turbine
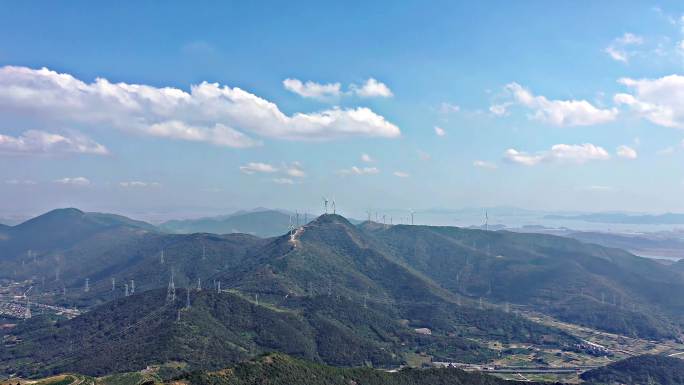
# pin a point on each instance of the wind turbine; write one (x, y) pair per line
(333, 206)
(412, 212)
(325, 203)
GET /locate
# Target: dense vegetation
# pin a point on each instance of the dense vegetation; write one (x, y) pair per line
(647, 370)
(588, 284)
(278, 369)
(341, 294)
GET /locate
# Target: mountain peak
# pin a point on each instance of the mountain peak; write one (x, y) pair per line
(326, 219)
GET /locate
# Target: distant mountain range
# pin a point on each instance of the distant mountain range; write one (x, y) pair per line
(261, 222)
(645, 219)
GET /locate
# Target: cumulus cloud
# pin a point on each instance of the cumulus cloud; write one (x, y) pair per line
(556, 112)
(485, 165)
(36, 142)
(618, 51)
(626, 152)
(283, 181)
(371, 89)
(401, 174)
(661, 101)
(137, 183)
(439, 131)
(209, 112)
(559, 153)
(360, 170)
(257, 167)
(367, 158)
(313, 90)
(499, 109)
(294, 170)
(75, 181)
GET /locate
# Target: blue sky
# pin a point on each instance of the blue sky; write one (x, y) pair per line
(563, 106)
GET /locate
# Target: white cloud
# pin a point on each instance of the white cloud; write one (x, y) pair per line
(439, 131)
(661, 101)
(485, 165)
(596, 188)
(25, 182)
(210, 113)
(499, 109)
(295, 170)
(36, 142)
(372, 89)
(401, 174)
(424, 155)
(616, 54)
(283, 181)
(75, 181)
(666, 151)
(312, 90)
(447, 108)
(254, 167)
(559, 112)
(618, 51)
(136, 183)
(360, 170)
(367, 158)
(560, 153)
(626, 152)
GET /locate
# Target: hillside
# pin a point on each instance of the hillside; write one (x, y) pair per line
(333, 257)
(262, 223)
(278, 369)
(331, 296)
(583, 283)
(218, 329)
(648, 369)
(60, 229)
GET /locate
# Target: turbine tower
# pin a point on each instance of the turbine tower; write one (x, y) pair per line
(333, 206)
(325, 203)
(87, 285)
(132, 287)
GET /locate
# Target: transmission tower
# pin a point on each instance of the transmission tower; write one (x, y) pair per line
(27, 313)
(171, 290)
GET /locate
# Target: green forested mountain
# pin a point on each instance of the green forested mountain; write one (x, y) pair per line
(58, 230)
(647, 370)
(589, 284)
(329, 296)
(428, 276)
